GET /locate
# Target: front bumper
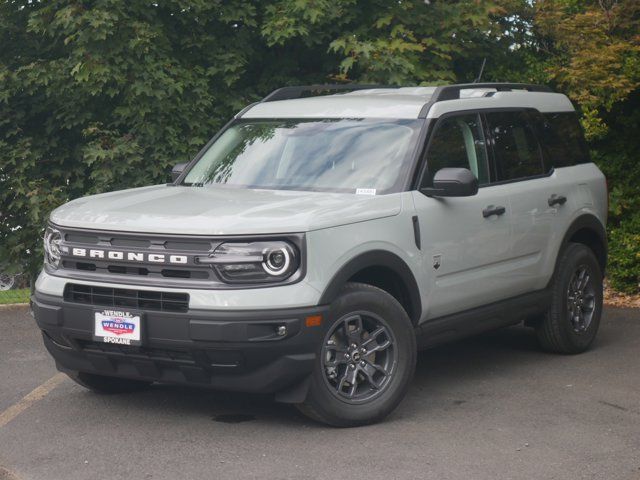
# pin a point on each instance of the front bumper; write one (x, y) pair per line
(227, 350)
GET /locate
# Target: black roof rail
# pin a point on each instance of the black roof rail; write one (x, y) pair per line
(452, 92)
(289, 93)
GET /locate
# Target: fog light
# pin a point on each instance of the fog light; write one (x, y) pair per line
(281, 330)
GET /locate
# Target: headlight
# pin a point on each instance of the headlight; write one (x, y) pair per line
(254, 262)
(52, 241)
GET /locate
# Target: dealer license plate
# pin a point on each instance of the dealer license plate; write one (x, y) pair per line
(117, 326)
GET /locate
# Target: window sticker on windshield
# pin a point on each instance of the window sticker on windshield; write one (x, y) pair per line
(365, 191)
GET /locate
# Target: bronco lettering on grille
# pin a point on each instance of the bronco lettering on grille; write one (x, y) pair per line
(129, 256)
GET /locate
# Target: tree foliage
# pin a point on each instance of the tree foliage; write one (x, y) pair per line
(594, 53)
(97, 95)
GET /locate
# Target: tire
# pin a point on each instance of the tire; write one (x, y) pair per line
(571, 324)
(107, 385)
(332, 397)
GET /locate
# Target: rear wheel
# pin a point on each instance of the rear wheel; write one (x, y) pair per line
(571, 324)
(366, 360)
(102, 384)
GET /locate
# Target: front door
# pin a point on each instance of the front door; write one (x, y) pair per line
(466, 241)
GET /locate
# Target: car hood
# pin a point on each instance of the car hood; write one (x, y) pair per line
(221, 211)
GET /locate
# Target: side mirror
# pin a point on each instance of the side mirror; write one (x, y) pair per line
(177, 171)
(452, 182)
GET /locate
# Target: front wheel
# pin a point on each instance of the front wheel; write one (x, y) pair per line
(366, 360)
(571, 324)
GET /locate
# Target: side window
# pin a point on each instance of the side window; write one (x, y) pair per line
(563, 139)
(458, 142)
(517, 153)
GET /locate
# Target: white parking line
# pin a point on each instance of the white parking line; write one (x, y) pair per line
(34, 396)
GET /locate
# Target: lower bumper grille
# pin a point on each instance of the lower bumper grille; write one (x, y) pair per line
(125, 298)
(154, 354)
(161, 356)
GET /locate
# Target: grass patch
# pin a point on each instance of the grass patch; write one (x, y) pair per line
(14, 296)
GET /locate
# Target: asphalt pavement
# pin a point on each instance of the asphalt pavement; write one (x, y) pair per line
(491, 407)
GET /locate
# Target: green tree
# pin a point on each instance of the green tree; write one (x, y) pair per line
(98, 95)
(593, 53)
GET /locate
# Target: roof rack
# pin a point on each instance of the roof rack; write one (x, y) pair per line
(452, 92)
(441, 93)
(289, 93)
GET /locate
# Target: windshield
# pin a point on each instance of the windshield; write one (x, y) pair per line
(342, 155)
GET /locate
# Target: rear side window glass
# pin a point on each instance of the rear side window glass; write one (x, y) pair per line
(516, 149)
(458, 142)
(563, 139)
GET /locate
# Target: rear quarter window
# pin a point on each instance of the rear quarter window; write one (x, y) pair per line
(563, 139)
(516, 148)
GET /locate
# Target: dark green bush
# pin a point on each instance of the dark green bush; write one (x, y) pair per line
(624, 255)
(617, 154)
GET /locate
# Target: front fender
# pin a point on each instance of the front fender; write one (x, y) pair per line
(375, 258)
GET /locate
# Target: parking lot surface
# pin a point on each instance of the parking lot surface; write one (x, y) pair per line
(491, 407)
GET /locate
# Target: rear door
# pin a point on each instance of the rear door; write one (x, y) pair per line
(568, 185)
(464, 249)
(519, 168)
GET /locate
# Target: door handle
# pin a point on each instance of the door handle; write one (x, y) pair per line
(493, 210)
(556, 200)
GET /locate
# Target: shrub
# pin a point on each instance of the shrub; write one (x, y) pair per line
(624, 255)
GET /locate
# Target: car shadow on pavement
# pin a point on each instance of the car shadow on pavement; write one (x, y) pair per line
(452, 363)
(445, 375)
(477, 358)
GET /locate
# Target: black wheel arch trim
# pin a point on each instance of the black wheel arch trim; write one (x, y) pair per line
(590, 222)
(376, 258)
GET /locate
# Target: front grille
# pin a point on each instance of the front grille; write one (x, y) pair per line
(125, 298)
(94, 262)
(146, 259)
(202, 274)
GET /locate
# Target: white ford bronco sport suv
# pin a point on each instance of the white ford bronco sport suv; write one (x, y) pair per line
(324, 236)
